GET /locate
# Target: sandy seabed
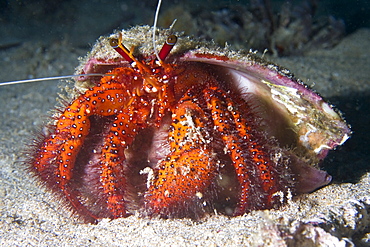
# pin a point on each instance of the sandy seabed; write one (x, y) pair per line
(336, 215)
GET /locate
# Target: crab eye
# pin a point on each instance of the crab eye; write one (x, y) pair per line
(114, 42)
(120, 48)
(167, 47)
(171, 40)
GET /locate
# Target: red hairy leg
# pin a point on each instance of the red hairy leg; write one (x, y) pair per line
(113, 178)
(251, 161)
(55, 159)
(185, 174)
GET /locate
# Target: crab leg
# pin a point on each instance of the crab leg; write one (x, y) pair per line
(184, 175)
(253, 165)
(112, 163)
(55, 160)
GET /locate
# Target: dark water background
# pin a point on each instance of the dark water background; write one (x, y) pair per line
(80, 22)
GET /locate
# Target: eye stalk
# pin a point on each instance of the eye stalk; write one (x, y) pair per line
(126, 54)
(120, 48)
(167, 46)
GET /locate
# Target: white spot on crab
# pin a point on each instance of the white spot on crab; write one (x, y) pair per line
(152, 109)
(276, 157)
(151, 177)
(193, 132)
(167, 193)
(199, 195)
(184, 170)
(151, 89)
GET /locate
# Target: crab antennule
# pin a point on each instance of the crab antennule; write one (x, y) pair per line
(167, 47)
(121, 49)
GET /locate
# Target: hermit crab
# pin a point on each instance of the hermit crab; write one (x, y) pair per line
(190, 130)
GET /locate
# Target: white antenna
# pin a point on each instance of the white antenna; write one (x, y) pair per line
(154, 28)
(49, 79)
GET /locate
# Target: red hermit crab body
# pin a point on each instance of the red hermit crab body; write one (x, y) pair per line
(188, 133)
